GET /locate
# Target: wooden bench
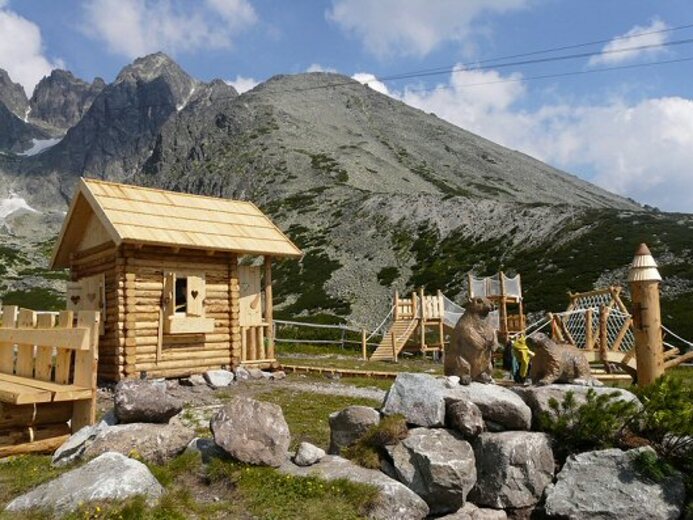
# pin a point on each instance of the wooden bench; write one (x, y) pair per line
(47, 377)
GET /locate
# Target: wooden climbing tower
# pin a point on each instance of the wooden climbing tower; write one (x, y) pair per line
(414, 314)
(506, 294)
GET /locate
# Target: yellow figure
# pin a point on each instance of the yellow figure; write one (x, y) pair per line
(523, 354)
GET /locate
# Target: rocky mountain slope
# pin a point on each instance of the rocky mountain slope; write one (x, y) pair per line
(377, 193)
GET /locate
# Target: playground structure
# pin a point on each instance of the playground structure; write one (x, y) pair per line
(506, 294)
(417, 313)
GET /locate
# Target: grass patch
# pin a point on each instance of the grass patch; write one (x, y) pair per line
(405, 364)
(359, 382)
(307, 413)
(387, 275)
(369, 449)
(19, 474)
(271, 495)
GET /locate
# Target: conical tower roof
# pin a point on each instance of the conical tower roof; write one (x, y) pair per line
(644, 267)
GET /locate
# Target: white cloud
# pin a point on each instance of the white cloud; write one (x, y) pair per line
(613, 52)
(413, 27)
(133, 28)
(21, 50)
(242, 84)
(316, 67)
(371, 81)
(641, 150)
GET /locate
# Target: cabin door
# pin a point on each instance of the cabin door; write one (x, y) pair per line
(251, 296)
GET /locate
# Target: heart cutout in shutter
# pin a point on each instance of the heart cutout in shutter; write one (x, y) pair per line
(75, 299)
(91, 297)
(194, 294)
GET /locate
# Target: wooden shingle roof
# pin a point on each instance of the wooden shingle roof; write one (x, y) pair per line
(138, 215)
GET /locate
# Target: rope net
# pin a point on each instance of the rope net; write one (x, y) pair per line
(491, 286)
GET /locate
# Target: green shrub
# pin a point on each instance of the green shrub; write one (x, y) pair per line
(368, 450)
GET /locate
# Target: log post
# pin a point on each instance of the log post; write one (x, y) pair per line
(364, 347)
(503, 311)
(604, 336)
(394, 346)
(422, 323)
(395, 315)
(589, 339)
(269, 310)
(644, 280)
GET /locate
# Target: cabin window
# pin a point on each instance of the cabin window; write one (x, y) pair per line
(184, 297)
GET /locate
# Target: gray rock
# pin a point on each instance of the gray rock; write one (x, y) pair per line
(605, 485)
(73, 448)
(498, 405)
(465, 417)
(219, 378)
(349, 424)
(157, 443)
(242, 374)
(207, 448)
(194, 380)
(396, 500)
(278, 375)
(513, 469)
(438, 465)
(144, 401)
(252, 431)
(111, 476)
(471, 512)
(538, 397)
(308, 454)
(418, 397)
(255, 373)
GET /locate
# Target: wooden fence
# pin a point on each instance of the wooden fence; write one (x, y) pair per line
(48, 365)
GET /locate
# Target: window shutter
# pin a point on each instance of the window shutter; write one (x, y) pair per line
(168, 297)
(196, 295)
(74, 296)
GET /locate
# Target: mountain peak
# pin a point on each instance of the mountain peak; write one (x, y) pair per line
(150, 67)
(12, 95)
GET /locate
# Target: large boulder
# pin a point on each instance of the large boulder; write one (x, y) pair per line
(538, 397)
(418, 397)
(513, 469)
(465, 417)
(144, 401)
(502, 409)
(395, 501)
(252, 431)
(349, 424)
(606, 485)
(111, 476)
(156, 443)
(438, 465)
(471, 512)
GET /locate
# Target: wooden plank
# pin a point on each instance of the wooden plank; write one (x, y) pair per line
(677, 361)
(75, 339)
(42, 446)
(25, 343)
(14, 393)
(60, 392)
(63, 356)
(9, 321)
(622, 334)
(43, 366)
(86, 365)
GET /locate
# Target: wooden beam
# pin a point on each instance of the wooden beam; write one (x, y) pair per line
(74, 339)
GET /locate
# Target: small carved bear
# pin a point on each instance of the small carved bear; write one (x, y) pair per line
(557, 363)
(469, 355)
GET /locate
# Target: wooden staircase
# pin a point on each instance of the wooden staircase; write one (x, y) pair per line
(402, 331)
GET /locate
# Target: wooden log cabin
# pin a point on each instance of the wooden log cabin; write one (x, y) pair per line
(183, 282)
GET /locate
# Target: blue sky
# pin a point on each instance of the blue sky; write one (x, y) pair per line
(628, 130)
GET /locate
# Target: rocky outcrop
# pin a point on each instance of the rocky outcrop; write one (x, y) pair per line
(308, 454)
(438, 465)
(12, 95)
(538, 397)
(501, 408)
(111, 476)
(513, 469)
(156, 443)
(395, 501)
(252, 431)
(471, 512)
(346, 426)
(73, 448)
(60, 99)
(606, 485)
(420, 398)
(144, 401)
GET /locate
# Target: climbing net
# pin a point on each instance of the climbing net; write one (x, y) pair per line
(619, 332)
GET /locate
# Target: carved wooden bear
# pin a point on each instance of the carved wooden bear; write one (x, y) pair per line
(557, 363)
(469, 354)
